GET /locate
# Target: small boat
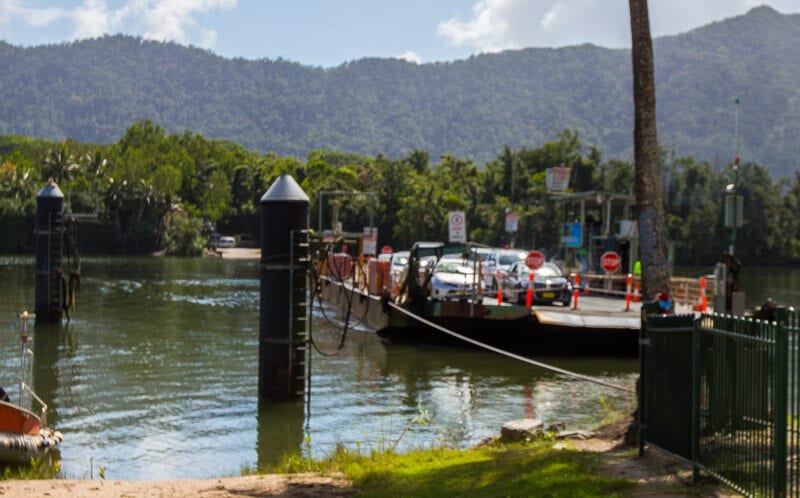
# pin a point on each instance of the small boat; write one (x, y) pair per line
(23, 434)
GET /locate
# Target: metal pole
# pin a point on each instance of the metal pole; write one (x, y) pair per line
(735, 182)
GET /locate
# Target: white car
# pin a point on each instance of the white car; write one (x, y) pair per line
(499, 260)
(488, 271)
(226, 241)
(453, 278)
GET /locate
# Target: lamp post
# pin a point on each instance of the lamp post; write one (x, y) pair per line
(733, 206)
(733, 201)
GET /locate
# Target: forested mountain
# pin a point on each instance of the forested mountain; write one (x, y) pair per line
(93, 90)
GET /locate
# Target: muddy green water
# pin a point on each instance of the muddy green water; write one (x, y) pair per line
(155, 377)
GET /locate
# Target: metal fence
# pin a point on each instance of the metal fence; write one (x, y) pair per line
(723, 393)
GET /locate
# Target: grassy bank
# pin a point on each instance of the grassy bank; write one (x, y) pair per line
(602, 466)
(524, 469)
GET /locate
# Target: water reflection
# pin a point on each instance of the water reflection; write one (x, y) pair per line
(281, 431)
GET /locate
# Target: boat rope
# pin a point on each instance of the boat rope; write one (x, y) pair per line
(510, 354)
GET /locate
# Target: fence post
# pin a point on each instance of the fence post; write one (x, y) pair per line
(640, 383)
(696, 400)
(780, 405)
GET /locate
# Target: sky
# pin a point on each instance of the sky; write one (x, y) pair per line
(329, 33)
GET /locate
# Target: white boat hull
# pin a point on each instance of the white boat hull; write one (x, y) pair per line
(21, 448)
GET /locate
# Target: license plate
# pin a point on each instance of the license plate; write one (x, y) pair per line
(548, 295)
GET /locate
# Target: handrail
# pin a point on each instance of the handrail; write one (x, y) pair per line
(26, 369)
(684, 290)
(33, 395)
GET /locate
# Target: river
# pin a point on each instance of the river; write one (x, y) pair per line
(155, 376)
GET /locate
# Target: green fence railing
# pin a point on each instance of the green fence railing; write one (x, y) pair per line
(723, 392)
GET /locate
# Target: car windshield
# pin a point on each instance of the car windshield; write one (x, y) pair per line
(452, 266)
(509, 258)
(547, 270)
(400, 259)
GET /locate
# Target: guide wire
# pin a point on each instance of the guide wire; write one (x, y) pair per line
(510, 354)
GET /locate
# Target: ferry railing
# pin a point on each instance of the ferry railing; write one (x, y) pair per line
(684, 290)
(33, 396)
(26, 372)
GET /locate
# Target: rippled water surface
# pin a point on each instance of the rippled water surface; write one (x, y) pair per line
(155, 377)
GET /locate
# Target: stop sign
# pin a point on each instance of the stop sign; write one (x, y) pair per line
(534, 260)
(610, 261)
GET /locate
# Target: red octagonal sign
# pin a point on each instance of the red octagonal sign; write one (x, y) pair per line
(610, 261)
(534, 260)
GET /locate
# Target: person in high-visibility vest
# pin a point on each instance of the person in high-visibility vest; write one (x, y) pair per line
(637, 274)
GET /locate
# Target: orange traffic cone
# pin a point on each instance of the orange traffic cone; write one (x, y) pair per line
(636, 296)
(702, 300)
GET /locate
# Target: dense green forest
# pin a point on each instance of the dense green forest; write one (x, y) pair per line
(93, 90)
(152, 190)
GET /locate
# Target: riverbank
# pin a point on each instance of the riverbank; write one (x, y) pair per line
(235, 253)
(605, 461)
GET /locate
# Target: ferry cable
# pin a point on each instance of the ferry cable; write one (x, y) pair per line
(316, 289)
(510, 354)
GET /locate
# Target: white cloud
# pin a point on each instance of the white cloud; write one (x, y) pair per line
(34, 17)
(506, 24)
(92, 20)
(411, 57)
(171, 20)
(4, 12)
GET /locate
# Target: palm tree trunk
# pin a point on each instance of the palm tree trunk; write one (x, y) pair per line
(649, 194)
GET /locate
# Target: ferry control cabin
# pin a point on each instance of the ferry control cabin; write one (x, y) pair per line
(594, 223)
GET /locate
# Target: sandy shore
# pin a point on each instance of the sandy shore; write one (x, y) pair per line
(294, 486)
(238, 253)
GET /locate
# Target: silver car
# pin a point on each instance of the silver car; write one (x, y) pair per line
(549, 286)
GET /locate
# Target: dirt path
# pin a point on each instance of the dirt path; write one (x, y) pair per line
(657, 473)
(289, 486)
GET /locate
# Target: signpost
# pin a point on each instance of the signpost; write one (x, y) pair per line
(457, 223)
(557, 179)
(572, 235)
(610, 262)
(512, 222)
(370, 244)
(534, 260)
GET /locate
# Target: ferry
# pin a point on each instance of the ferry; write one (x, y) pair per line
(400, 308)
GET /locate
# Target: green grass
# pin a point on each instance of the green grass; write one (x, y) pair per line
(37, 469)
(533, 469)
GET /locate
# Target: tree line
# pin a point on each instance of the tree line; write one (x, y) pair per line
(94, 89)
(153, 191)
